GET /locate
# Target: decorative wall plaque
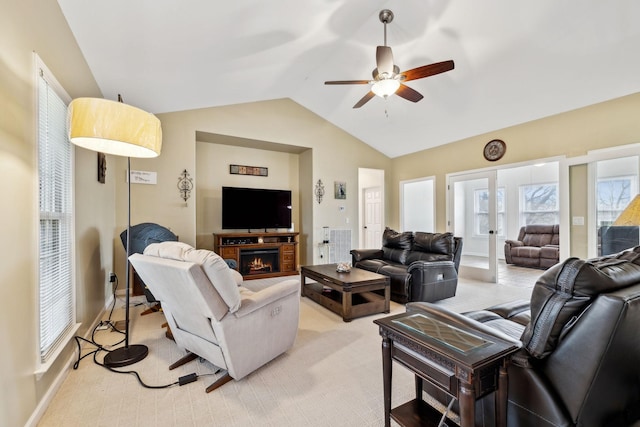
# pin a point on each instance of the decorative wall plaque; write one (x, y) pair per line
(248, 170)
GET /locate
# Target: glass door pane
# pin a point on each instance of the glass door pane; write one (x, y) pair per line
(473, 217)
(617, 223)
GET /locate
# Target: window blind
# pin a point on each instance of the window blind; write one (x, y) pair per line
(55, 168)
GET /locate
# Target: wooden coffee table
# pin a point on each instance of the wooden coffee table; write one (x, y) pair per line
(349, 295)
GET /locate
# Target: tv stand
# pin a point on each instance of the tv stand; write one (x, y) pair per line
(260, 255)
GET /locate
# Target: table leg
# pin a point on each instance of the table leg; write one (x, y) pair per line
(387, 298)
(501, 396)
(418, 387)
(346, 306)
(467, 399)
(386, 378)
(303, 280)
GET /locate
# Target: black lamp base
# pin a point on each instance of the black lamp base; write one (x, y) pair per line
(125, 356)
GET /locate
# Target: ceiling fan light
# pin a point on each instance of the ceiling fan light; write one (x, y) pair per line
(386, 87)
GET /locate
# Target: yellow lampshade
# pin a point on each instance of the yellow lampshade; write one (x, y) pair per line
(631, 214)
(114, 128)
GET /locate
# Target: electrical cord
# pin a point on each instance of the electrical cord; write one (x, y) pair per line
(99, 347)
(134, 373)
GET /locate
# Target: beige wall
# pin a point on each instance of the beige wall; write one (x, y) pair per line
(25, 27)
(578, 208)
(573, 133)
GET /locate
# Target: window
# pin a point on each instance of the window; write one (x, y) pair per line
(539, 204)
(614, 194)
(418, 204)
(481, 211)
(55, 174)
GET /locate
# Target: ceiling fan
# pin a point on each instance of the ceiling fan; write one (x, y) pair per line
(387, 78)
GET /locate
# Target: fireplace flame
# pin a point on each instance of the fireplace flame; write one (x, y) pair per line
(258, 265)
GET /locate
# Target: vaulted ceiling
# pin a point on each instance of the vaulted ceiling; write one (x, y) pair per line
(515, 61)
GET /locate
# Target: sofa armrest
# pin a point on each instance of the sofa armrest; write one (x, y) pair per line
(362, 254)
(256, 300)
(508, 244)
(431, 271)
(458, 320)
(432, 280)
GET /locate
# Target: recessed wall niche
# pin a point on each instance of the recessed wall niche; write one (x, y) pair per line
(212, 173)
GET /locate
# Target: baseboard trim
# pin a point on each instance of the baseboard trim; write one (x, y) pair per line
(43, 404)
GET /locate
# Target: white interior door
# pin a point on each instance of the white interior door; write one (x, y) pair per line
(372, 218)
(472, 216)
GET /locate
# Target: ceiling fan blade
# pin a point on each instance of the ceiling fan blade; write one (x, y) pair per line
(364, 99)
(427, 70)
(384, 60)
(409, 94)
(348, 82)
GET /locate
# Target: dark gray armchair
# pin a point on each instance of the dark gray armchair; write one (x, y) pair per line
(142, 235)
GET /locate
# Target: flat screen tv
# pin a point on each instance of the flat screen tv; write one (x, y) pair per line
(247, 208)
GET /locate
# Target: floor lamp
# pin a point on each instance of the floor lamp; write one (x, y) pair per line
(116, 128)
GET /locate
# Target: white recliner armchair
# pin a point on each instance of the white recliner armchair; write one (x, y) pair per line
(212, 315)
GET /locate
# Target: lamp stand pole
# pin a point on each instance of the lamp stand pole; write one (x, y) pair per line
(129, 354)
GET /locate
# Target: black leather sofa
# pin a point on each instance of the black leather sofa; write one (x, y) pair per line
(580, 345)
(421, 266)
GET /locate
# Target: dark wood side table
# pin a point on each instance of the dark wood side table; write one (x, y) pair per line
(349, 295)
(466, 364)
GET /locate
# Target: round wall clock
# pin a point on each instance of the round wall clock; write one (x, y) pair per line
(494, 150)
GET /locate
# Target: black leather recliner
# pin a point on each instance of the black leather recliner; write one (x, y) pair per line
(421, 266)
(580, 335)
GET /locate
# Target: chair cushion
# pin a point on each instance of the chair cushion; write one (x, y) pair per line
(435, 243)
(396, 245)
(371, 264)
(214, 267)
(526, 252)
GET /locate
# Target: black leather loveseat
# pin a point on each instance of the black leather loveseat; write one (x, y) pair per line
(580, 345)
(421, 266)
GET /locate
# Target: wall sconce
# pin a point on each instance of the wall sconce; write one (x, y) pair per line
(185, 185)
(319, 191)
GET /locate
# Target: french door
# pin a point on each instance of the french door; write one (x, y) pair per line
(472, 215)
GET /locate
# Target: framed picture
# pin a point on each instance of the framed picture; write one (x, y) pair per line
(340, 189)
(248, 170)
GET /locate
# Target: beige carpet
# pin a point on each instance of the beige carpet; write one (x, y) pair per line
(331, 377)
